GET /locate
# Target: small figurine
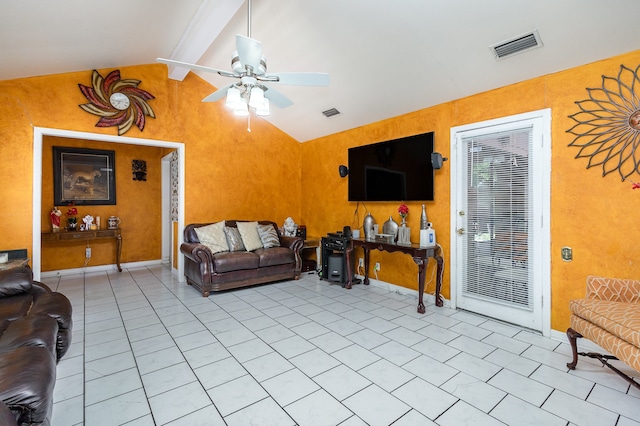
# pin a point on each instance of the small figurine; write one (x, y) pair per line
(55, 218)
(290, 227)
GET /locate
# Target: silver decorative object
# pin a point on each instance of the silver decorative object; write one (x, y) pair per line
(367, 226)
(423, 218)
(390, 227)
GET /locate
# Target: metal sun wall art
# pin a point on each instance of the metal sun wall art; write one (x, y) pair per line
(607, 128)
(117, 102)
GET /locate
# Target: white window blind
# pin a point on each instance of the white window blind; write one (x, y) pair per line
(499, 218)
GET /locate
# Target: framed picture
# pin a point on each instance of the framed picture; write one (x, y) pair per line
(85, 176)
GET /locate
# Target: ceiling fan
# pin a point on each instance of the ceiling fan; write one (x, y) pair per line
(249, 66)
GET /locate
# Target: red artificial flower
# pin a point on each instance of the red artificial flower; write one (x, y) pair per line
(636, 185)
(403, 210)
(72, 211)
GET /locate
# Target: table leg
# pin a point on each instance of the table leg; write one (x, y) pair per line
(118, 251)
(366, 266)
(348, 252)
(439, 273)
(422, 266)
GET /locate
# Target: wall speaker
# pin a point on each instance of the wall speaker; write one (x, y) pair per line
(343, 170)
(437, 160)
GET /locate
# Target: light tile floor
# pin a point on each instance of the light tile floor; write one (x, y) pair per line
(148, 350)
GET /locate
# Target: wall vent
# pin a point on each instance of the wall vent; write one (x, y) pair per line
(517, 44)
(330, 112)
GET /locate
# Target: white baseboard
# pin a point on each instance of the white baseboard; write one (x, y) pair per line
(99, 268)
(426, 298)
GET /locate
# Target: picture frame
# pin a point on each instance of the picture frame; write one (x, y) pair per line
(83, 176)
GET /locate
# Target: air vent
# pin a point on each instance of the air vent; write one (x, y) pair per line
(517, 45)
(330, 112)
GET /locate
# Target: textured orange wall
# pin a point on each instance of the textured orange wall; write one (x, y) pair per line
(596, 216)
(230, 173)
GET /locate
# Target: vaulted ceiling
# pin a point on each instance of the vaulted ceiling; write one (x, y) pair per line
(385, 58)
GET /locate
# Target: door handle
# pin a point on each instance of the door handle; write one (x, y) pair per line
(460, 231)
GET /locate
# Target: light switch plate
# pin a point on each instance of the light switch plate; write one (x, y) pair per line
(567, 254)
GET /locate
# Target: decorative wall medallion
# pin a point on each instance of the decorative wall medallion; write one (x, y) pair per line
(139, 169)
(117, 102)
(608, 124)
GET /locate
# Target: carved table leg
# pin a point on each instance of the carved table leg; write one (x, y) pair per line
(366, 266)
(573, 335)
(421, 276)
(439, 273)
(118, 251)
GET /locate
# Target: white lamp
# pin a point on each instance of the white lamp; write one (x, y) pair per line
(257, 97)
(264, 109)
(233, 97)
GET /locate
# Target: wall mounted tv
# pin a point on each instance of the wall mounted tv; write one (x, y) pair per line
(395, 170)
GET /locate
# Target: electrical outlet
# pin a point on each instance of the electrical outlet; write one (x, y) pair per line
(87, 252)
(377, 267)
(361, 262)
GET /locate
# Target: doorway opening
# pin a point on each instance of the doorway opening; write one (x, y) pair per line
(38, 135)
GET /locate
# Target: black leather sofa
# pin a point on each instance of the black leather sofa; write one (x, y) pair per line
(35, 333)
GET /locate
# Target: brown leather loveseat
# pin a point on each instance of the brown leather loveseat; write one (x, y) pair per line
(219, 258)
(35, 332)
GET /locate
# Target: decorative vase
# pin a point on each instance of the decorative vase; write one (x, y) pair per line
(423, 218)
(404, 222)
(390, 227)
(367, 226)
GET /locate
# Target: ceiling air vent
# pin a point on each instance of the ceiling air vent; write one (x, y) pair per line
(330, 112)
(516, 45)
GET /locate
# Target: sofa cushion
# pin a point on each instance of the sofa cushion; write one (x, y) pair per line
(618, 318)
(234, 240)
(213, 237)
(250, 235)
(15, 307)
(32, 330)
(268, 236)
(27, 378)
(235, 261)
(15, 281)
(275, 256)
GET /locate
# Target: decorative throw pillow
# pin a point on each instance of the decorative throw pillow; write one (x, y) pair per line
(213, 237)
(268, 236)
(250, 236)
(234, 240)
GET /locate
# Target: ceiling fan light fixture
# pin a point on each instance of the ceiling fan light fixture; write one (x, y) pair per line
(256, 99)
(233, 97)
(263, 110)
(241, 109)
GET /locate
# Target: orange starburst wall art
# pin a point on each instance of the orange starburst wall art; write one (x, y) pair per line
(117, 102)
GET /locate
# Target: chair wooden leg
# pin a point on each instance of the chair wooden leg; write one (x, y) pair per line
(573, 335)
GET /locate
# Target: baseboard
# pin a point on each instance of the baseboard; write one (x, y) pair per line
(99, 268)
(426, 298)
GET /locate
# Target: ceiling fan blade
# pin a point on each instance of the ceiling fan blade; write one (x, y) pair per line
(249, 51)
(218, 94)
(277, 98)
(196, 67)
(301, 78)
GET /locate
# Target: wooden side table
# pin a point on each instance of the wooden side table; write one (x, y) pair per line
(419, 254)
(63, 236)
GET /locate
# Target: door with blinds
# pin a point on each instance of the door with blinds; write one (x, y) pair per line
(499, 222)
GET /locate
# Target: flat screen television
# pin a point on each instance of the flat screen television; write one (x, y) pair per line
(394, 170)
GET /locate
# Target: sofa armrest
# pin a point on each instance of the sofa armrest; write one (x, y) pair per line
(613, 289)
(197, 252)
(292, 243)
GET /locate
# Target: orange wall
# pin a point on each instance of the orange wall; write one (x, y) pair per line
(230, 173)
(595, 216)
(265, 174)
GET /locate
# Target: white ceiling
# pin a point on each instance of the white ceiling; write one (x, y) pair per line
(385, 58)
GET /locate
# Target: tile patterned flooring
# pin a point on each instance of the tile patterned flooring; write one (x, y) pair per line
(148, 350)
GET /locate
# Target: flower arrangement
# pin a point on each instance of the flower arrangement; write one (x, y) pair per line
(72, 212)
(403, 210)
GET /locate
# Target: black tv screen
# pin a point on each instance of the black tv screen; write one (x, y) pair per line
(395, 170)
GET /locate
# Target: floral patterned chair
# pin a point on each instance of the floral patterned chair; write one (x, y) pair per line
(609, 316)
